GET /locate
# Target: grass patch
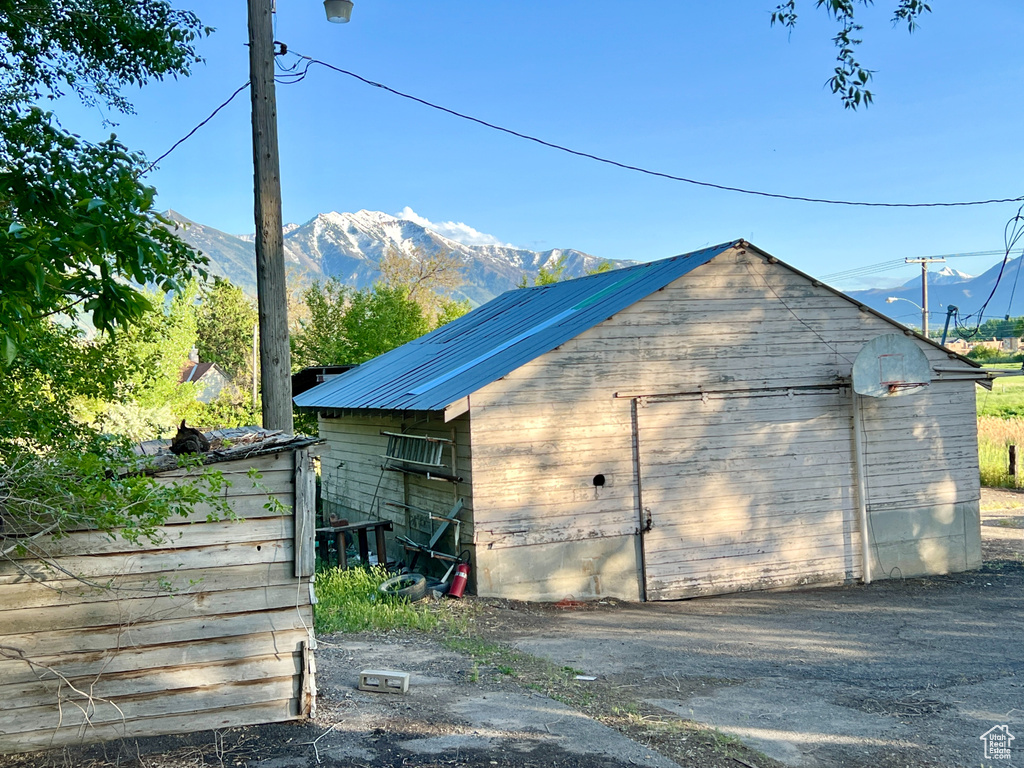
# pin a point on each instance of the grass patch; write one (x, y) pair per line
(1005, 400)
(994, 435)
(351, 601)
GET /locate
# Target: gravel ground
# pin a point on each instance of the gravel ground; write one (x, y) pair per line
(898, 673)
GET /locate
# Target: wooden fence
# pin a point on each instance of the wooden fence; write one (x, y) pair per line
(212, 627)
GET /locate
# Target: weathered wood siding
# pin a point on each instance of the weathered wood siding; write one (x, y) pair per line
(921, 469)
(357, 488)
(203, 630)
(747, 492)
(737, 325)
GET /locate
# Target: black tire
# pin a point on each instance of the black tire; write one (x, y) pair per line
(410, 586)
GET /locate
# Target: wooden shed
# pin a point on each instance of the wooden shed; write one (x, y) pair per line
(678, 428)
(208, 627)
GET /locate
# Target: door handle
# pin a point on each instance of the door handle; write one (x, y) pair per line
(648, 520)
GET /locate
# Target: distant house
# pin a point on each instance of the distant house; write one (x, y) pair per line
(959, 346)
(210, 377)
(669, 430)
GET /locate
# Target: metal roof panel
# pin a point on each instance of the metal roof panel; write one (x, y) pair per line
(518, 326)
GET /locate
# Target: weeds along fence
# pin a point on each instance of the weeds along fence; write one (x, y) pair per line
(209, 627)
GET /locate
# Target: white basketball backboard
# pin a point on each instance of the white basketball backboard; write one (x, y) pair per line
(889, 366)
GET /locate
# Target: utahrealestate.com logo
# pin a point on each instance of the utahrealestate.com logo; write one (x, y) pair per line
(997, 742)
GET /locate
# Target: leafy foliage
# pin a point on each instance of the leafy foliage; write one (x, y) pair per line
(1000, 328)
(348, 326)
(429, 280)
(225, 322)
(547, 276)
(143, 363)
(77, 225)
(92, 47)
(344, 326)
(75, 219)
(850, 79)
(46, 496)
(983, 353)
(40, 388)
(556, 274)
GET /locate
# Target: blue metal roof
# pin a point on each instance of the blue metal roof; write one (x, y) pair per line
(493, 340)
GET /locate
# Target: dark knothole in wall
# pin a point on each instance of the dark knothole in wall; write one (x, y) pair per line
(598, 481)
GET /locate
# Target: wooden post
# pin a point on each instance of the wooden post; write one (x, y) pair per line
(305, 515)
(1013, 459)
(275, 355)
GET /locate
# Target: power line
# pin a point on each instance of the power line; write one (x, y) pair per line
(647, 171)
(885, 266)
(191, 133)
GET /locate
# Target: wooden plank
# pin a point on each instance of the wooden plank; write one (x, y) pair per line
(817, 572)
(237, 468)
(127, 708)
(102, 567)
(245, 507)
(698, 523)
(517, 502)
(114, 661)
(224, 717)
(555, 517)
(140, 635)
(25, 595)
(716, 554)
(171, 537)
(305, 515)
(131, 612)
(533, 536)
(171, 681)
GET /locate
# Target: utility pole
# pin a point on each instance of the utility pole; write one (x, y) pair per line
(275, 355)
(924, 262)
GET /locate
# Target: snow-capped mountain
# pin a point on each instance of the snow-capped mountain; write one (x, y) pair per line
(949, 287)
(948, 275)
(350, 245)
(944, 276)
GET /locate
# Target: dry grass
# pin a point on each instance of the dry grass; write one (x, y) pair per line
(994, 435)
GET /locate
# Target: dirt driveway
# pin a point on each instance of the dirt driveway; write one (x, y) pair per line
(896, 673)
(904, 674)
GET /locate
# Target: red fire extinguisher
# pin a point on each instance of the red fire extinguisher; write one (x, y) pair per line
(459, 579)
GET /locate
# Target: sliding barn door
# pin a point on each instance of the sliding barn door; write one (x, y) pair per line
(745, 492)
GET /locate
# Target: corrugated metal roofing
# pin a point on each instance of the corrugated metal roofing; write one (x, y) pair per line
(467, 354)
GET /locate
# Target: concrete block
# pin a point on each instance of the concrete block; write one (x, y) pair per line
(383, 681)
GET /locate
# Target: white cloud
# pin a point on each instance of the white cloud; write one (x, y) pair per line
(453, 230)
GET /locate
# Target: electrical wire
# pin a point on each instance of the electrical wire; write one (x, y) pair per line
(886, 266)
(191, 133)
(1012, 234)
(647, 171)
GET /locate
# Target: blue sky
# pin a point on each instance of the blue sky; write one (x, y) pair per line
(704, 90)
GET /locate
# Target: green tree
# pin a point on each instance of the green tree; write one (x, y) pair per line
(77, 226)
(225, 321)
(145, 360)
(348, 326)
(41, 387)
(547, 276)
(556, 274)
(430, 280)
(75, 217)
(849, 78)
(995, 328)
